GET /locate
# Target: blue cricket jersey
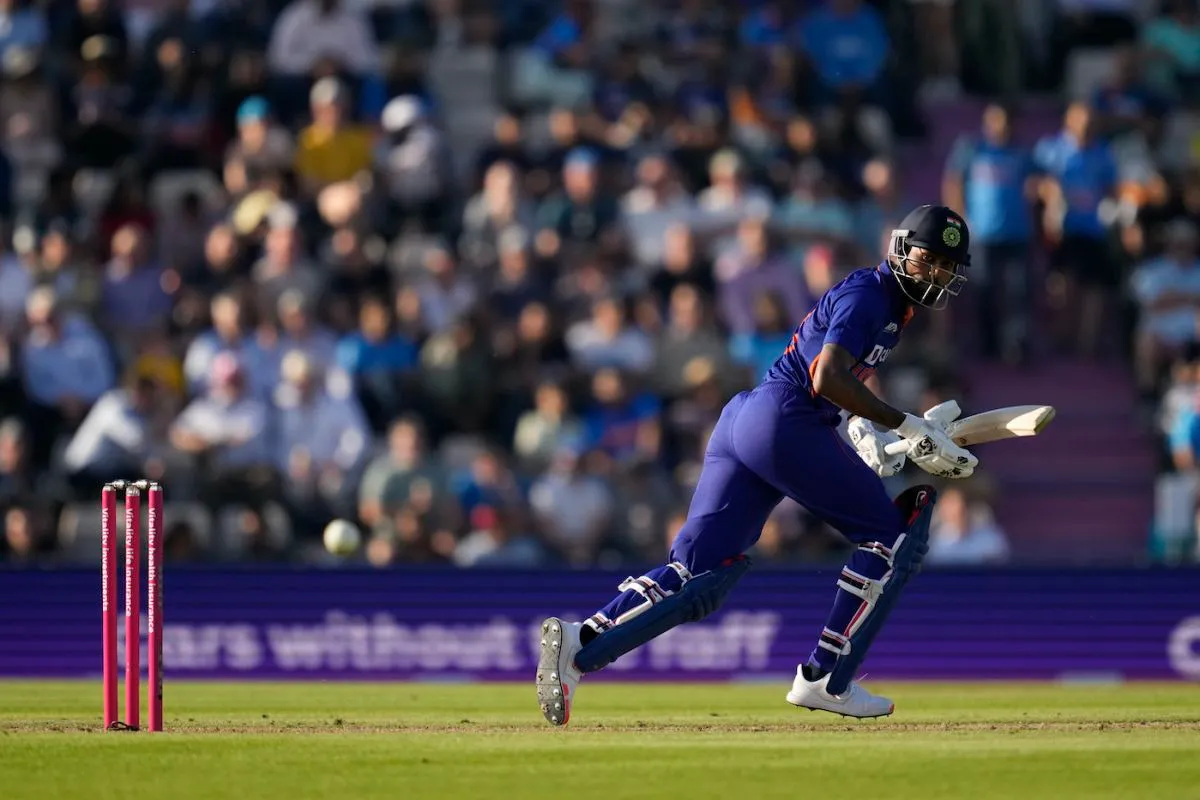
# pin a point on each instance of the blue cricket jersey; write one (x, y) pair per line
(1087, 174)
(994, 179)
(864, 314)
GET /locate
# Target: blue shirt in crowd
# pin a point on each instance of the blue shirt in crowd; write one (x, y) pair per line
(994, 178)
(1087, 174)
(845, 49)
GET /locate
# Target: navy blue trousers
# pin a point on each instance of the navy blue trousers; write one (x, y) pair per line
(771, 442)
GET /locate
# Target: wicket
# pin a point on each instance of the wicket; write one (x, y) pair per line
(154, 611)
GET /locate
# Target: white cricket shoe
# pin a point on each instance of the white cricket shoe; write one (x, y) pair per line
(557, 676)
(854, 702)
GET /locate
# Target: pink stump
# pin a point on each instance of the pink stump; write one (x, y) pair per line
(108, 599)
(154, 609)
(133, 633)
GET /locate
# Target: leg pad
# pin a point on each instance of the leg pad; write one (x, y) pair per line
(878, 597)
(700, 596)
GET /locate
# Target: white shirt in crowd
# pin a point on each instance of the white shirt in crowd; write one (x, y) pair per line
(331, 430)
(111, 435)
(238, 429)
(302, 37)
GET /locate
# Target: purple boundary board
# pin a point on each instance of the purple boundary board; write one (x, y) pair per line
(434, 624)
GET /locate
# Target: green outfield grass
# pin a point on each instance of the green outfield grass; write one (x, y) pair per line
(361, 741)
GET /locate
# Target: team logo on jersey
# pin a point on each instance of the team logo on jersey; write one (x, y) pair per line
(891, 328)
(952, 236)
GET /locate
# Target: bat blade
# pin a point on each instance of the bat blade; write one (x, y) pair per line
(1000, 423)
(1009, 422)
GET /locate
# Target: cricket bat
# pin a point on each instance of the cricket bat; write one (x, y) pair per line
(991, 426)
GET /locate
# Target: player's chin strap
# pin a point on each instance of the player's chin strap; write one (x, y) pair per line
(660, 610)
(878, 596)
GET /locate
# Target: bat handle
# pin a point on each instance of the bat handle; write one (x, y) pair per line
(896, 448)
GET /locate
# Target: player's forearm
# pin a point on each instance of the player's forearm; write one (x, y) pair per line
(847, 392)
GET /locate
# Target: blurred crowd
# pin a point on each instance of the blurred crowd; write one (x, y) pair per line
(480, 275)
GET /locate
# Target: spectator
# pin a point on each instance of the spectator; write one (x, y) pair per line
(65, 368)
(176, 120)
(535, 350)
(489, 483)
(18, 476)
(16, 282)
(261, 145)
(224, 267)
(390, 478)
(92, 20)
(964, 533)
(689, 336)
(121, 435)
(813, 211)
(765, 27)
(137, 291)
(847, 45)
(682, 263)
(332, 148)
(228, 334)
(516, 284)
(1081, 176)
(608, 340)
(100, 132)
(656, 204)
(447, 294)
(300, 332)
(760, 348)
(621, 99)
(622, 422)
(323, 443)
(500, 208)
(572, 508)
(507, 145)
(1124, 105)
(226, 432)
(184, 232)
(21, 26)
(756, 266)
(492, 542)
(311, 33)
(546, 428)
(1167, 290)
(457, 378)
(284, 264)
(991, 181)
(59, 263)
(729, 201)
(29, 110)
(546, 165)
(1182, 391)
(378, 358)
(415, 162)
(1172, 42)
(582, 213)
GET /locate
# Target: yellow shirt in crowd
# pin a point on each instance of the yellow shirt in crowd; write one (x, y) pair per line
(324, 156)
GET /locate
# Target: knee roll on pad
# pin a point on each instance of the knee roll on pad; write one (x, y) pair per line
(903, 559)
(699, 596)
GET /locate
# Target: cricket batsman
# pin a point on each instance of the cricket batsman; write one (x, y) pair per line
(781, 439)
